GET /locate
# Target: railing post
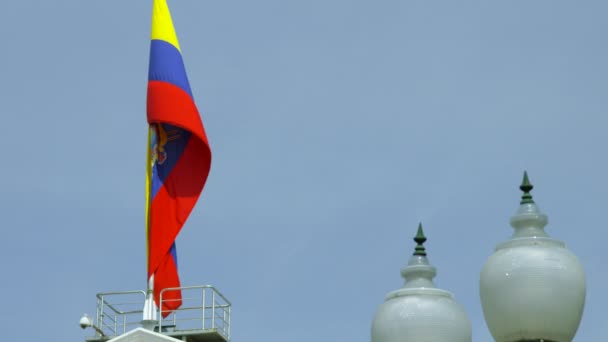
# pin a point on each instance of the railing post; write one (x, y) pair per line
(97, 313)
(160, 307)
(101, 314)
(204, 306)
(224, 319)
(212, 309)
(229, 315)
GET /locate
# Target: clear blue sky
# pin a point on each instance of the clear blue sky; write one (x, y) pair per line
(335, 125)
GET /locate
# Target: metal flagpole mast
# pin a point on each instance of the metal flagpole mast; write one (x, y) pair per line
(149, 317)
(149, 311)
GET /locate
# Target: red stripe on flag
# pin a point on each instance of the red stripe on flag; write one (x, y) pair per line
(168, 278)
(174, 201)
(170, 104)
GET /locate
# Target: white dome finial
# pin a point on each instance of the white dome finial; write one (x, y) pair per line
(528, 221)
(419, 272)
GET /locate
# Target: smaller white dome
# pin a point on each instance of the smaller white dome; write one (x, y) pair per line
(420, 312)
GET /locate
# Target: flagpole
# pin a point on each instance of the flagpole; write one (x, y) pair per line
(149, 315)
(149, 311)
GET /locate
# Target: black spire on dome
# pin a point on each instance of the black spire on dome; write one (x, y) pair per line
(420, 239)
(526, 187)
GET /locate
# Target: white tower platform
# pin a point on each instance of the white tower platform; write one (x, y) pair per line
(204, 316)
(143, 335)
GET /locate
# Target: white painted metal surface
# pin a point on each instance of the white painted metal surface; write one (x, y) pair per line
(204, 311)
(143, 335)
(420, 312)
(532, 287)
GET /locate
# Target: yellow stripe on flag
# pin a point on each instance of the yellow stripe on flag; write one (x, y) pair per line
(148, 193)
(162, 24)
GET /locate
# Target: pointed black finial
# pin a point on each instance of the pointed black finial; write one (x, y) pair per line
(420, 239)
(526, 187)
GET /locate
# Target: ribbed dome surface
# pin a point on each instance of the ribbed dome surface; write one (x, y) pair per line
(420, 312)
(532, 288)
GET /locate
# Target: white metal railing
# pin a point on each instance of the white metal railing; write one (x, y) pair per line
(203, 309)
(119, 312)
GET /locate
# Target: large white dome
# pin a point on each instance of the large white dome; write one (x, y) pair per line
(532, 288)
(420, 312)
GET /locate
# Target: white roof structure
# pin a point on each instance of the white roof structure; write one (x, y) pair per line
(143, 335)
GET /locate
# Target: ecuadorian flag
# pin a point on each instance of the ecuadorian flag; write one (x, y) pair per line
(179, 157)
